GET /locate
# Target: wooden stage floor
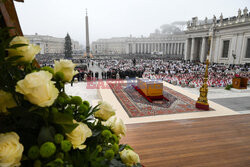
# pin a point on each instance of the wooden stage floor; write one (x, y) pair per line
(205, 142)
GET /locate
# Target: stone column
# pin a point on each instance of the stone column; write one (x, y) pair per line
(187, 50)
(211, 50)
(175, 48)
(164, 48)
(172, 49)
(133, 48)
(181, 48)
(203, 50)
(193, 50)
(140, 48)
(168, 49)
(178, 49)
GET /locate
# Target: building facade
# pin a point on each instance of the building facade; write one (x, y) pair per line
(156, 43)
(230, 39)
(52, 45)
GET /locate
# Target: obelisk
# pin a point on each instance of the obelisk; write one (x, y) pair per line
(87, 35)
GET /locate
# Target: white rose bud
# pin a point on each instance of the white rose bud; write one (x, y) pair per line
(10, 150)
(38, 88)
(78, 136)
(116, 125)
(105, 111)
(28, 52)
(129, 157)
(6, 101)
(67, 68)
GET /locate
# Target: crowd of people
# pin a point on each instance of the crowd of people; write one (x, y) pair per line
(175, 72)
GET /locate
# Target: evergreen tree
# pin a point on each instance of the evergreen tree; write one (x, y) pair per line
(67, 47)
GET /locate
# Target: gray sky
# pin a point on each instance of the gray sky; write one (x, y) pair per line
(115, 18)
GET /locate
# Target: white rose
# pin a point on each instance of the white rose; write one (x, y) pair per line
(38, 88)
(105, 111)
(10, 150)
(67, 68)
(116, 125)
(129, 157)
(28, 52)
(78, 136)
(6, 101)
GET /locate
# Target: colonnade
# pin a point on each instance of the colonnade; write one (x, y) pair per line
(164, 48)
(196, 49)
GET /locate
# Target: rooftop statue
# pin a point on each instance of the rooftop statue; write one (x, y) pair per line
(245, 12)
(221, 18)
(239, 13)
(205, 21)
(214, 19)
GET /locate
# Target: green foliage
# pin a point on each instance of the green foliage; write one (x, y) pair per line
(66, 145)
(76, 100)
(58, 138)
(47, 149)
(68, 47)
(228, 87)
(49, 69)
(46, 127)
(33, 152)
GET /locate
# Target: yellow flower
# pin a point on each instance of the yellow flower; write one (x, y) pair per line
(38, 88)
(6, 101)
(67, 68)
(28, 52)
(10, 150)
(78, 136)
(105, 111)
(116, 125)
(129, 157)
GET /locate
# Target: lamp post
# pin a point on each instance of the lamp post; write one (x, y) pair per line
(202, 102)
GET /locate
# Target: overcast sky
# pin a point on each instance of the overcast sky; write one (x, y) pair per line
(115, 18)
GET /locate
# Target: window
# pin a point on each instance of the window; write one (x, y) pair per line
(225, 49)
(248, 48)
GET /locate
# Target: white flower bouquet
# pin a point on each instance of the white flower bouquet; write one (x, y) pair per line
(42, 126)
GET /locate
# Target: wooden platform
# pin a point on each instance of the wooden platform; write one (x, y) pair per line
(205, 142)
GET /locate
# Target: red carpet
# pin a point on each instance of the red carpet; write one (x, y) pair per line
(138, 106)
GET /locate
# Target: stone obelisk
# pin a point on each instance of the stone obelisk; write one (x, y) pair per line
(87, 35)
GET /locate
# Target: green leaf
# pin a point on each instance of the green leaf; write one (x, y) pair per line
(69, 127)
(17, 46)
(65, 120)
(13, 58)
(62, 118)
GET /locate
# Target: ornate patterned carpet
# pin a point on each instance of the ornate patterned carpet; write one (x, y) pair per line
(137, 106)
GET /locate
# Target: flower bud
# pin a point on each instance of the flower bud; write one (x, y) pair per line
(59, 76)
(60, 100)
(99, 148)
(86, 103)
(107, 134)
(37, 163)
(58, 138)
(109, 154)
(83, 108)
(76, 100)
(33, 152)
(115, 138)
(49, 69)
(115, 148)
(66, 145)
(60, 155)
(54, 110)
(47, 149)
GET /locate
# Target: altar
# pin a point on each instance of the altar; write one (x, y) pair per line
(151, 88)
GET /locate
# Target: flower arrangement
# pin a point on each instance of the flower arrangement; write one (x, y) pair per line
(42, 126)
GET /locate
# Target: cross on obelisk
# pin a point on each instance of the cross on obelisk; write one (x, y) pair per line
(87, 35)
